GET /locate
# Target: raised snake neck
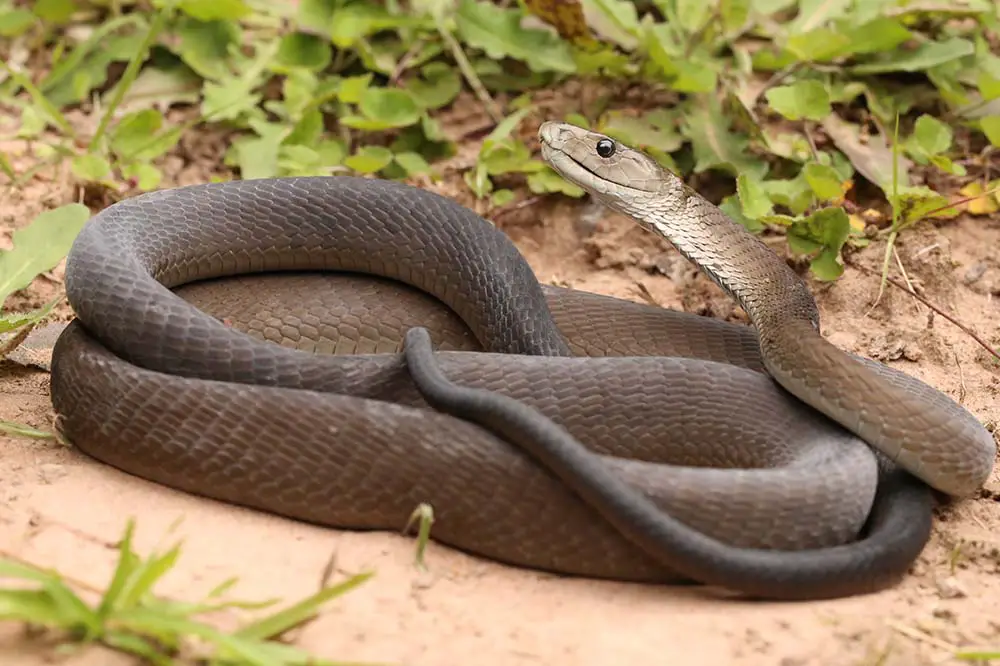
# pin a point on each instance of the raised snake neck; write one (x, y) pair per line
(148, 383)
(913, 424)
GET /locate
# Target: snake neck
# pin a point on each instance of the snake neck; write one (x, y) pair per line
(767, 289)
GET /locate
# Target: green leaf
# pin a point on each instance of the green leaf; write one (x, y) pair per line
(15, 22)
(204, 46)
(215, 10)
(502, 198)
(91, 168)
(12, 429)
(879, 35)
(825, 231)
(716, 145)
(924, 57)
(413, 163)
(438, 86)
(991, 128)
(498, 32)
(309, 52)
(316, 15)
(814, 14)
(818, 45)
(917, 203)
(385, 108)
(803, 99)
(352, 88)
(40, 246)
(547, 180)
(137, 136)
(753, 198)
(54, 11)
(278, 623)
(930, 137)
(824, 181)
(146, 176)
(795, 194)
(257, 156)
(356, 21)
(656, 129)
(369, 159)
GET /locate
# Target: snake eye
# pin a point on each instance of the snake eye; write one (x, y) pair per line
(605, 148)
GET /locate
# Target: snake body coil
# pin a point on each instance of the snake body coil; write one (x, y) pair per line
(761, 494)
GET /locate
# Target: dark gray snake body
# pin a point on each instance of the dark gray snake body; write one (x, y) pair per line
(767, 496)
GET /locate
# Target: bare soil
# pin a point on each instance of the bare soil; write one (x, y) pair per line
(61, 509)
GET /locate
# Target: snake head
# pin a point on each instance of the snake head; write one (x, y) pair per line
(620, 177)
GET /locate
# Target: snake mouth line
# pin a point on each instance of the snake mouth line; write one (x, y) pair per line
(584, 176)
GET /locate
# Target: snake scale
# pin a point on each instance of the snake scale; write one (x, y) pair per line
(337, 350)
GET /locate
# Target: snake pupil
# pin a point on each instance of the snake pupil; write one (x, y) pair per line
(605, 148)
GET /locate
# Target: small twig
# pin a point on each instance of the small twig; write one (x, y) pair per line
(902, 271)
(961, 380)
(777, 78)
(968, 331)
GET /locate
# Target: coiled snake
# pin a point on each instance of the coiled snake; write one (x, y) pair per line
(552, 429)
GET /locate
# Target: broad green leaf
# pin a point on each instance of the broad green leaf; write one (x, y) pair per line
(384, 108)
(814, 14)
(15, 22)
(204, 46)
(369, 159)
(413, 163)
(228, 100)
(824, 181)
(818, 45)
(932, 135)
(991, 128)
(301, 50)
(924, 57)
(879, 35)
(825, 230)
(137, 136)
(716, 145)
(214, 10)
(753, 198)
(40, 246)
(146, 176)
(615, 21)
(502, 197)
(693, 14)
(356, 21)
(498, 32)
(734, 14)
(54, 11)
(795, 194)
(316, 15)
(806, 99)
(353, 88)
(655, 129)
(547, 180)
(732, 207)
(917, 203)
(91, 168)
(437, 86)
(257, 156)
(695, 77)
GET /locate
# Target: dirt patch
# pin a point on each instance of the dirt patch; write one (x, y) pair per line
(61, 509)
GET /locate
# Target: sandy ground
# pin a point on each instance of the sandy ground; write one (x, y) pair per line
(59, 508)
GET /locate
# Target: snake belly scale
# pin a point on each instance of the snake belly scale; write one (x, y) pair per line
(755, 490)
